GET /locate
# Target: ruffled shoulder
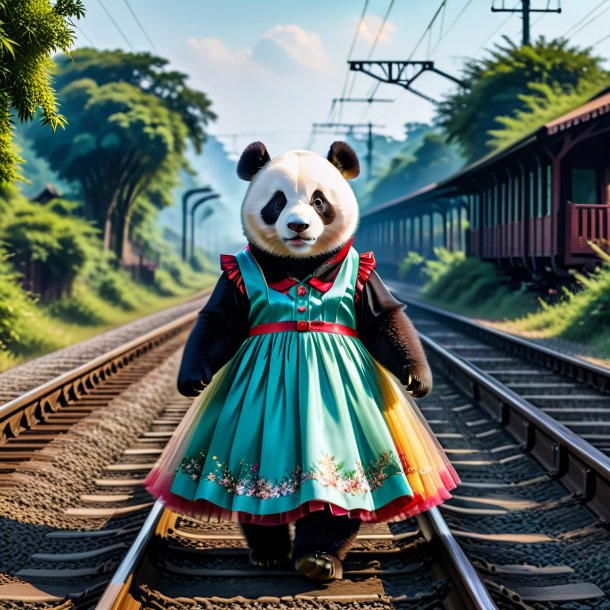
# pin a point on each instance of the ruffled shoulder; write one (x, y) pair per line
(365, 268)
(229, 264)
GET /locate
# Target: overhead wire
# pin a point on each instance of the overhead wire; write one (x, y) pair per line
(417, 45)
(510, 16)
(375, 41)
(349, 54)
(381, 28)
(116, 25)
(575, 25)
(84, 34)
(587, 23)
(135, 17)
(468, 3)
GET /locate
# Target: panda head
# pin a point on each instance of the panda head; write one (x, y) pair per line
(299, 204)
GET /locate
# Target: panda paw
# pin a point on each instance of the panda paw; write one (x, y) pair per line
(320, 566)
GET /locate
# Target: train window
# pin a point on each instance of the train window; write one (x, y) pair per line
(531, 202)
(503, 205)
(584, 185)
(549, 191)
(516, 197)
(539, 200)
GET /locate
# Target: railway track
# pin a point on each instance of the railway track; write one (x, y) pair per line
(531, 541)
(519, 380)
(56, 556)
(519, 533)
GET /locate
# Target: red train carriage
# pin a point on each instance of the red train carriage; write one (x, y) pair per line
(535, 205)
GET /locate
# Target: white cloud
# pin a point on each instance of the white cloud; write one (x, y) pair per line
(283, 49)
(284, 73)
(370, 26)
(305, 48)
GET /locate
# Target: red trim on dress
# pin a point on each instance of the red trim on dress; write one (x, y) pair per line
(367, 264)
(228, 263)
(316, 326)
(283, 285)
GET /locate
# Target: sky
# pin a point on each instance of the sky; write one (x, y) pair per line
(273, 67)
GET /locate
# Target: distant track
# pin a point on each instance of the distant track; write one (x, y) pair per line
(557, 406)
(24, 377)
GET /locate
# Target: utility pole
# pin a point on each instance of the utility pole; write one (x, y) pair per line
(349, 128)
(525, 11)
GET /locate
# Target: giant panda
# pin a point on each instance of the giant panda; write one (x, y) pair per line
(299, 217)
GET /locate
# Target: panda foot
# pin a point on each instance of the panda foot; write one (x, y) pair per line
(320, 566)
(267, 560)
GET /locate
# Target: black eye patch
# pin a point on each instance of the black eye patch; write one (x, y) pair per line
(272, 210)
(323, 207)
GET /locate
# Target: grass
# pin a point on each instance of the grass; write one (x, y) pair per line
(42, 328)
(478, 289)
(468, 286)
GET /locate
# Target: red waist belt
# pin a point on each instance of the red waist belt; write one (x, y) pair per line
(303, 326)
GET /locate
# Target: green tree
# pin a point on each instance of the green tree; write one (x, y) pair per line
(500, 85)
(123, 144)
(432, 160)
(147, 72)
(546, 104)
(30, 31)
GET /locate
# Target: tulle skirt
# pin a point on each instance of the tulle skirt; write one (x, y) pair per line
(297, 422)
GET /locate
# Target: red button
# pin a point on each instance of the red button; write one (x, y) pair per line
(301, 308)
(301, 291)
(302, 326)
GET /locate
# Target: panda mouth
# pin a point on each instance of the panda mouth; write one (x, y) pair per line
(299, 241)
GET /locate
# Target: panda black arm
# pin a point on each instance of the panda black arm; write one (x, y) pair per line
(390, 337)
(220, 329)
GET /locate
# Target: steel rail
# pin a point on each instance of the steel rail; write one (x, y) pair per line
(578, 369)
(118, 587)
(582, 468)
(33, 406)
(469, 591)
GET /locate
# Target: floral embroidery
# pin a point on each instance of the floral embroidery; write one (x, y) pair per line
(359, 480)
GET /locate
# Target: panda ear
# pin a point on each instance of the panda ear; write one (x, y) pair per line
(343, 157)
(252, 159)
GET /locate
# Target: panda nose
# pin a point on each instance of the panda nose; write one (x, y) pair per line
(298, 227)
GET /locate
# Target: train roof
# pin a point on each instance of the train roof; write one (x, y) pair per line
(596, 107)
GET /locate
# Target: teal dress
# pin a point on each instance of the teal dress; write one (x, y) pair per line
(294, 421)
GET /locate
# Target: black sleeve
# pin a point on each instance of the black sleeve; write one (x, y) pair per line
(390, 337)
(221, 327)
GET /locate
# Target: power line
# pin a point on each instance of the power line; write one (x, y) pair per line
(84, 35)
(582, 27)
(116, 25)
(428, 27)
(601, 40)
(135, 17)
(349, 54)
(496, 30)
(468, 3)
(525, 10)
(575, 25)
(380, 30)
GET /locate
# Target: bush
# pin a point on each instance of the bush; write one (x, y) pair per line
(45, 234)
(80, 307)
(473, 287)
(15, 304)
(581, 315)
(411, 268)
